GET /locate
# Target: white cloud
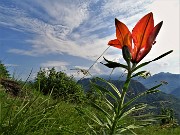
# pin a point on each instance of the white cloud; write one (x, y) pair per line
(11, 65)
(83, 28)
(54, 64)
(58, 65)
(57, 35)
(70, 13)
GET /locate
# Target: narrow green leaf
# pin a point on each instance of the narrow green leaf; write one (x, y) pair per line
(140, 106)
(92, 128)
(121, 130)
(149, 91)
(99, 87)
(163, 55)
(80, 111)
(124, 114)
(133, 109)
(109, 122)
(148, 120)
(132, 132)
(100, 109)
(20, 110)
(93, 117)
(132, 127)
(111, 64)
(98, 120)
(109, 104)
(102, 89)
(114, 88)
(116, 107)
(155, 87)
(141, 65)
(146, 63)
(148, 116)
(152, 91)
(128, 128)
(138, 74)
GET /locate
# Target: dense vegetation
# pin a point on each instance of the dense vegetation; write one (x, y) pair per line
(40, 111)
(59, 85)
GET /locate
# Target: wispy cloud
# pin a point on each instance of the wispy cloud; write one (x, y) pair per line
(81, 28)
(11, 65)
(54, 64)
(58, 65)
(71, 27)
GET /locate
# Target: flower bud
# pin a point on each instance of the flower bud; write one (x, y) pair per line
(126, 53)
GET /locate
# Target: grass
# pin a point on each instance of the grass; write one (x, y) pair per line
(157, 130)
(40, 115)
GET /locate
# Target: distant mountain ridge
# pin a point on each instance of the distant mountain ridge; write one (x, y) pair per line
(172, 86)
(173, 81)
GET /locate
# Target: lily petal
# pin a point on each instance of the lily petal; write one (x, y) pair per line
(142, 53)
(116, 43)
(146, 49)
(141, 33)
(122, 32)
(154, 33)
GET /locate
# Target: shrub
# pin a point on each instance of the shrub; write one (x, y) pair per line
(59, 85)
(3, 71)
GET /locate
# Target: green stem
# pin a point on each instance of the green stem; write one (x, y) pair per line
(121, 102)
(125, 88)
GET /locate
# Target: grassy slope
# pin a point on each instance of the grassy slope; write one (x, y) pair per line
(38, 116)
(44, 116)
(157, 130)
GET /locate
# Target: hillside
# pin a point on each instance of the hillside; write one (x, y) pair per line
(176, 92)
(157, 100)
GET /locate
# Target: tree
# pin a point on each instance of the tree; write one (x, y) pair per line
(59, 85)
(3, 71)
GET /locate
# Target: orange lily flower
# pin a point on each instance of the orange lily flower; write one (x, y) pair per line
(143, 35)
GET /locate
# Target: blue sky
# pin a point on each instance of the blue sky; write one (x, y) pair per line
(69, 34)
